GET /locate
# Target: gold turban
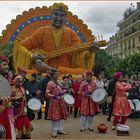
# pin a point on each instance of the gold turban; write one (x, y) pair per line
(59, 6)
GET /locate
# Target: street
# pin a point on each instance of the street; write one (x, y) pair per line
(72, 126)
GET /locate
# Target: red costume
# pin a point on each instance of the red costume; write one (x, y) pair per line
(22, 123)
(88, 107)
(121, 104)
(5, 117)
(77, 97)
(6, 111)
(57, 108)
(121, 107)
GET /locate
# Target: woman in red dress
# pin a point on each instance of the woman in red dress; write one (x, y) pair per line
(77, 96)
(22, 123)
(121, 108)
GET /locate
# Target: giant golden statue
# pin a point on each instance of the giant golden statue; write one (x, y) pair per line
(62, 41)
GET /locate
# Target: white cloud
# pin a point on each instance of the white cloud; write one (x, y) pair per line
(100, 16)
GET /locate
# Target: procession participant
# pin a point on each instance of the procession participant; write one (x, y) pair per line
(100, 84)
(44, 86)
(77, 96)
(22, 123)
(88, 107)
(121, 108)
(111, 95)
(27, 86)
(36, 91)
(6, 111)
(57, 109)
(70, 91)
(11, 77)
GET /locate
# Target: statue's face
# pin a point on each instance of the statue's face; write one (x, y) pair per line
(58, 18)
(4, 68)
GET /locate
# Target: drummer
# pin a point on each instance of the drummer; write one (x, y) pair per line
(22, 123)
(100, 84)
(5, 108)
(88, 107)
(57, 109)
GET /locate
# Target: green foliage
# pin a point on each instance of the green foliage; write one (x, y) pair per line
(104, 62)
(8, 52)
(129, 65)
(134, 63)
(8, 49)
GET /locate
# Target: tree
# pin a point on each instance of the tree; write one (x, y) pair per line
(104, 62)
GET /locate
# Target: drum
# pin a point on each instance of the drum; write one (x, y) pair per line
(5, 88)
(34, 104)
(69, 100)
(99, 95)
(2, 132)
(122, 128)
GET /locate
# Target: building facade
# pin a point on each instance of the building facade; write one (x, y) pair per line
(127, 40)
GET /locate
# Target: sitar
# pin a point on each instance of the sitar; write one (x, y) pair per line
(69, 50)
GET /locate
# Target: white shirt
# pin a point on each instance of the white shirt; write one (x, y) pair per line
(99, 83)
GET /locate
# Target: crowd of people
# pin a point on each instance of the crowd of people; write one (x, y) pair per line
(16, 116)
(123, 99)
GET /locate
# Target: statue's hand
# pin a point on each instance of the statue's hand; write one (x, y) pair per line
(40, 66)
(43, 67)
(37, 56)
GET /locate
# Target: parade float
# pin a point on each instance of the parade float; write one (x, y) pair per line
(26, 23)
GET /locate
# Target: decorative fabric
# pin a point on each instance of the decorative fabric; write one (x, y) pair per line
(57, 108)
(88, 107)
(121, 104)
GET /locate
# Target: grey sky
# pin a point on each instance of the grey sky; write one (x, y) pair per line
(100, 16)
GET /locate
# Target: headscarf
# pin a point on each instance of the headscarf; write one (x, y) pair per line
(21, 70)
(3, 58)
(117, 75)
(18, 77)
(89, 72)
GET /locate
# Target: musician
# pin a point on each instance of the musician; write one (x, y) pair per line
(57, 108)
(6, 111)
(100, 84)
(88, 107)
(27, 86)
(22, 123)
(51, 39)
(121, 108)
(36, 91)
(44, 86)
